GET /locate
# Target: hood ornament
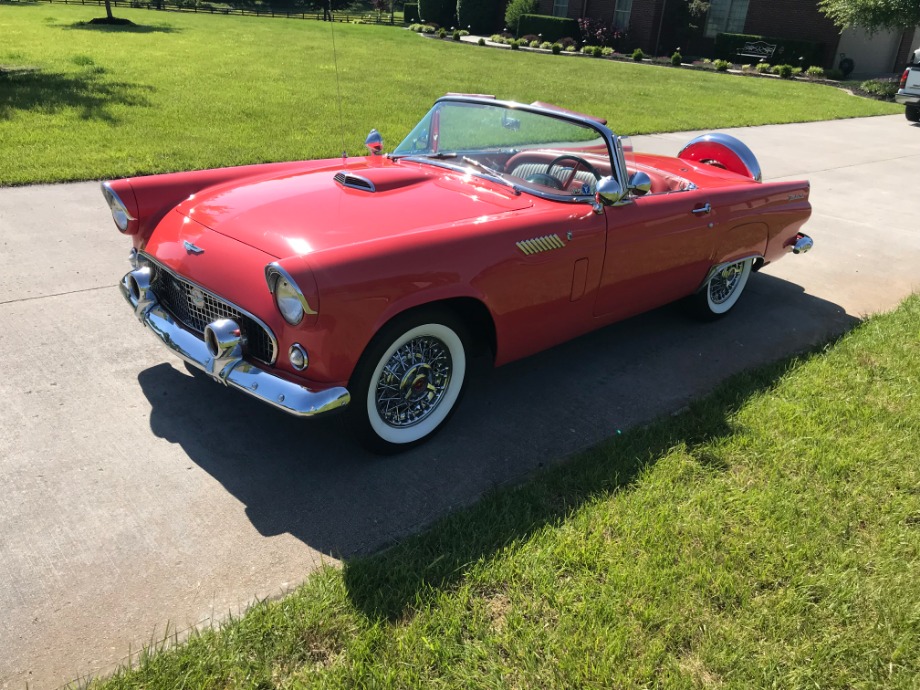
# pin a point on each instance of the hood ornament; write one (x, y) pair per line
(374, 142)
(191, 248)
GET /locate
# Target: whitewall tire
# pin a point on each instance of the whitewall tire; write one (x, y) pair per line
(410, 380)
(723, 289)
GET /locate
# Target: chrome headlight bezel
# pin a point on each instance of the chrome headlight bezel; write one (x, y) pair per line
(289, 298)
(120, 213)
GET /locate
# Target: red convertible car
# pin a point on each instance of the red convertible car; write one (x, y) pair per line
(366, 283)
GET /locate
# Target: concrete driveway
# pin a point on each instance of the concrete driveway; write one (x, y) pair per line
(138, 500)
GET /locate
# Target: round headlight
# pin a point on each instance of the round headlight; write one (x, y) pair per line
(120, 213)
(288, 300)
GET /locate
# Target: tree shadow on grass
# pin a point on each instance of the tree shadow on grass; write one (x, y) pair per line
(122, 28)
(87, 91)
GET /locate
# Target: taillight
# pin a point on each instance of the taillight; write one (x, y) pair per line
(904, 79)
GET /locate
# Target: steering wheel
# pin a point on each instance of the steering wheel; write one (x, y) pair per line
(579, 162)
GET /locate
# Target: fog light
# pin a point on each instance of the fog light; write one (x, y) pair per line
(298, 357)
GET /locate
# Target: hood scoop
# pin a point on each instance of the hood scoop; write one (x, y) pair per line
(355, 182)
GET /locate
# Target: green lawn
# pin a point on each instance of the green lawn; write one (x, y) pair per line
(768, 537)
(184, 91)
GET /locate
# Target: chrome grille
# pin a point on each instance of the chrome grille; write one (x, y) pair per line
(195, 309)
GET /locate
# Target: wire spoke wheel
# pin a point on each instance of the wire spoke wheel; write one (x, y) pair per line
(409, 380)
(722, 290)
(413, 382)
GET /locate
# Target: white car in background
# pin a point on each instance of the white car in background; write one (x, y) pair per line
(909, 91)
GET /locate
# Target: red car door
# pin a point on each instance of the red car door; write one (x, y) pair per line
(659, 248)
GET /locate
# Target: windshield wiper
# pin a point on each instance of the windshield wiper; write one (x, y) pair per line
(437, 156)
(492, 172)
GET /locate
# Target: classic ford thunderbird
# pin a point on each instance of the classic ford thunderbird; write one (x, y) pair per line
(365, 284)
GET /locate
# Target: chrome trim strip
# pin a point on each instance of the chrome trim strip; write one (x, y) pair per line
(252, 316)
(272, 272)
(287, 396)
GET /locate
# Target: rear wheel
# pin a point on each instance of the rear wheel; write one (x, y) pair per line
(409, 380)
(912, 113)
(722, 291)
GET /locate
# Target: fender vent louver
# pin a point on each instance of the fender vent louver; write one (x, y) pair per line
(541, 244)
(355, 182)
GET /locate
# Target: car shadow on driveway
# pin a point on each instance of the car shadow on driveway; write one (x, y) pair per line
(310, 479)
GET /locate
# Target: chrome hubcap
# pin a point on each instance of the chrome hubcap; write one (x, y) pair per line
(724, 282)
(413, 381)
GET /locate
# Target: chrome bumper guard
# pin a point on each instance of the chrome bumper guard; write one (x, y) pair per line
(220, 355)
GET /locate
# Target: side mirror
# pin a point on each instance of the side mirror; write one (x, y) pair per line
(511, 123)
(640, 183)
(421, 141)
(609, 191)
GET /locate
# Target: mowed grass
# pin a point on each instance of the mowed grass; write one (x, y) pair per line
(767, 537)
(182, 91)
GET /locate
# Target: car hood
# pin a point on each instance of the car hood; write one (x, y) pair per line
(336, 205)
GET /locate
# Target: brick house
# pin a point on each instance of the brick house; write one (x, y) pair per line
(659, 26)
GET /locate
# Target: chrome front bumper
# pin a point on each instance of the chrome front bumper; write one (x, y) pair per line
(227, 366)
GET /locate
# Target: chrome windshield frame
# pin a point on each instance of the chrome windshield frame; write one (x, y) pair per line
(617, 159)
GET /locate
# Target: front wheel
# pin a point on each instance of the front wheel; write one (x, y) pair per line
(912, 113)
(722, 291)
(409, 380)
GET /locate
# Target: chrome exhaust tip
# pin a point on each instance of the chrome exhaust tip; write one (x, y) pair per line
(803, 244)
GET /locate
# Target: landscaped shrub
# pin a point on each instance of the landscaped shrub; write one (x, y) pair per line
(546, 45)
(571, 49)
(881, 88)
(599, 32)
(567, 41)
(410, 13)
(550, 28)
(481, 41)
(784, 71)
(515, 9)
(721, 65)
(515, 45)
(464, 32)
(606, 51)
(764, 67)
(479, 15)
(439, 12)
(497, 38)
(833, 73)
(588, 50)
(532, 44)
(529, 38)
(442, 33)
(815, 71)
(557, 48)
(676, 59)
(805, 53)
(598, 51)
(638, 55)
(455, 35)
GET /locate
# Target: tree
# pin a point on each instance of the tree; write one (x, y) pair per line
(872, 15)
(108, 10)
(514, 11)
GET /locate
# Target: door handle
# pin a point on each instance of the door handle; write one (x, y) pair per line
(706, 208)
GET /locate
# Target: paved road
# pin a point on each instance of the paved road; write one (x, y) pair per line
(138, 499)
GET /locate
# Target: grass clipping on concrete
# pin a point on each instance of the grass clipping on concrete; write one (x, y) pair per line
(766, 537)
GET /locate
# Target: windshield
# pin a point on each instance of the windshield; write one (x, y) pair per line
(536, 151)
